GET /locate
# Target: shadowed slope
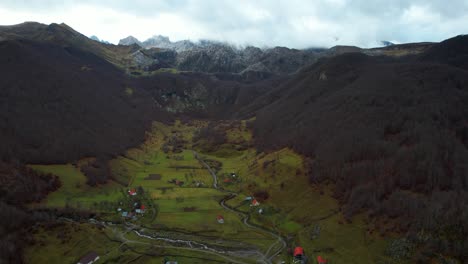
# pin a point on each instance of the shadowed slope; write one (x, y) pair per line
(62, 103)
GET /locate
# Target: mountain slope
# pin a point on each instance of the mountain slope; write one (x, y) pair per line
(62, 103)
(452, 51)
(383, 131)
(65, 36)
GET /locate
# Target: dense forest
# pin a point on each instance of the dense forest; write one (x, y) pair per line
(19, 186)
(391, 134)
(59, 104)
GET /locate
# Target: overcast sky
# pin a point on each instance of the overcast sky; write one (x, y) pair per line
(292, 23)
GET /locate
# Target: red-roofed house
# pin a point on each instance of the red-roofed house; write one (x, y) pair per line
(298, 252)
(132, 192)
(321, 260)
(227, 180)
(220, 219)
(255, 203)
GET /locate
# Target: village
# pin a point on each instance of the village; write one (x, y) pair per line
(176, 200)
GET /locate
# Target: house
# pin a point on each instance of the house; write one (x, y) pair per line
(119, 209)
(298, 252)
(321, 260)
(89, 258)
(138, 211)
(260, 211)
(299, 256)
(220, 219)
(142, 208)
(132, 192)
(128, 215)
(255, 203)
(179, 183)
(248, 198)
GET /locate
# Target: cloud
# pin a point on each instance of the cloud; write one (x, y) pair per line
(293, 23)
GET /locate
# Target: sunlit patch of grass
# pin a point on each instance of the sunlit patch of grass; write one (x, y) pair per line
(74, 191)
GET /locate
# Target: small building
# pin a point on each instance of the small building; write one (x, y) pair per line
(119, 209)
(132, 192)
(143, 208)
(179, 183)
(220, 219)
(321, 260)
(227, 180)
(255, 203)
(89, 258)
(248, 198)
(298, 252)
(138, 211)
(260, 211)
(124, 214)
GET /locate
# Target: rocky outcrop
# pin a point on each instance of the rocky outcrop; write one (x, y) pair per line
(130, 40)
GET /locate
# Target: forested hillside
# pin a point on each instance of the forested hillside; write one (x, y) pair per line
(391, 134)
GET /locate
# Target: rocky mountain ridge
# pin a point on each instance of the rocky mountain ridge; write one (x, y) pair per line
(212, 56)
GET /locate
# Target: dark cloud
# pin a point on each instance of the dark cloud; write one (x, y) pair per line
(295, 23)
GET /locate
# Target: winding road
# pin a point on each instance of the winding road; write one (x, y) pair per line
(268, 255)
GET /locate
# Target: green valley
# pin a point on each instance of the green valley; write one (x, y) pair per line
(163, 203)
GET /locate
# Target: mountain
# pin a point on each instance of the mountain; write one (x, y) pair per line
(62, 103)
(390, 133)
(218, 57)
(452, 51)
(130, 40)
(386, 43)
(65, 36)
(164, 43)
(93, 37)
(213, 56)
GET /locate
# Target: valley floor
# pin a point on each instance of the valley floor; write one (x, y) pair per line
(182, 197)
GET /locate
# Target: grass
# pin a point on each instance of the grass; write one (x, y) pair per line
(297, 206)
(294, 208)
(141, 73)
(166, 70)
(74, 191)
(67, 243)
